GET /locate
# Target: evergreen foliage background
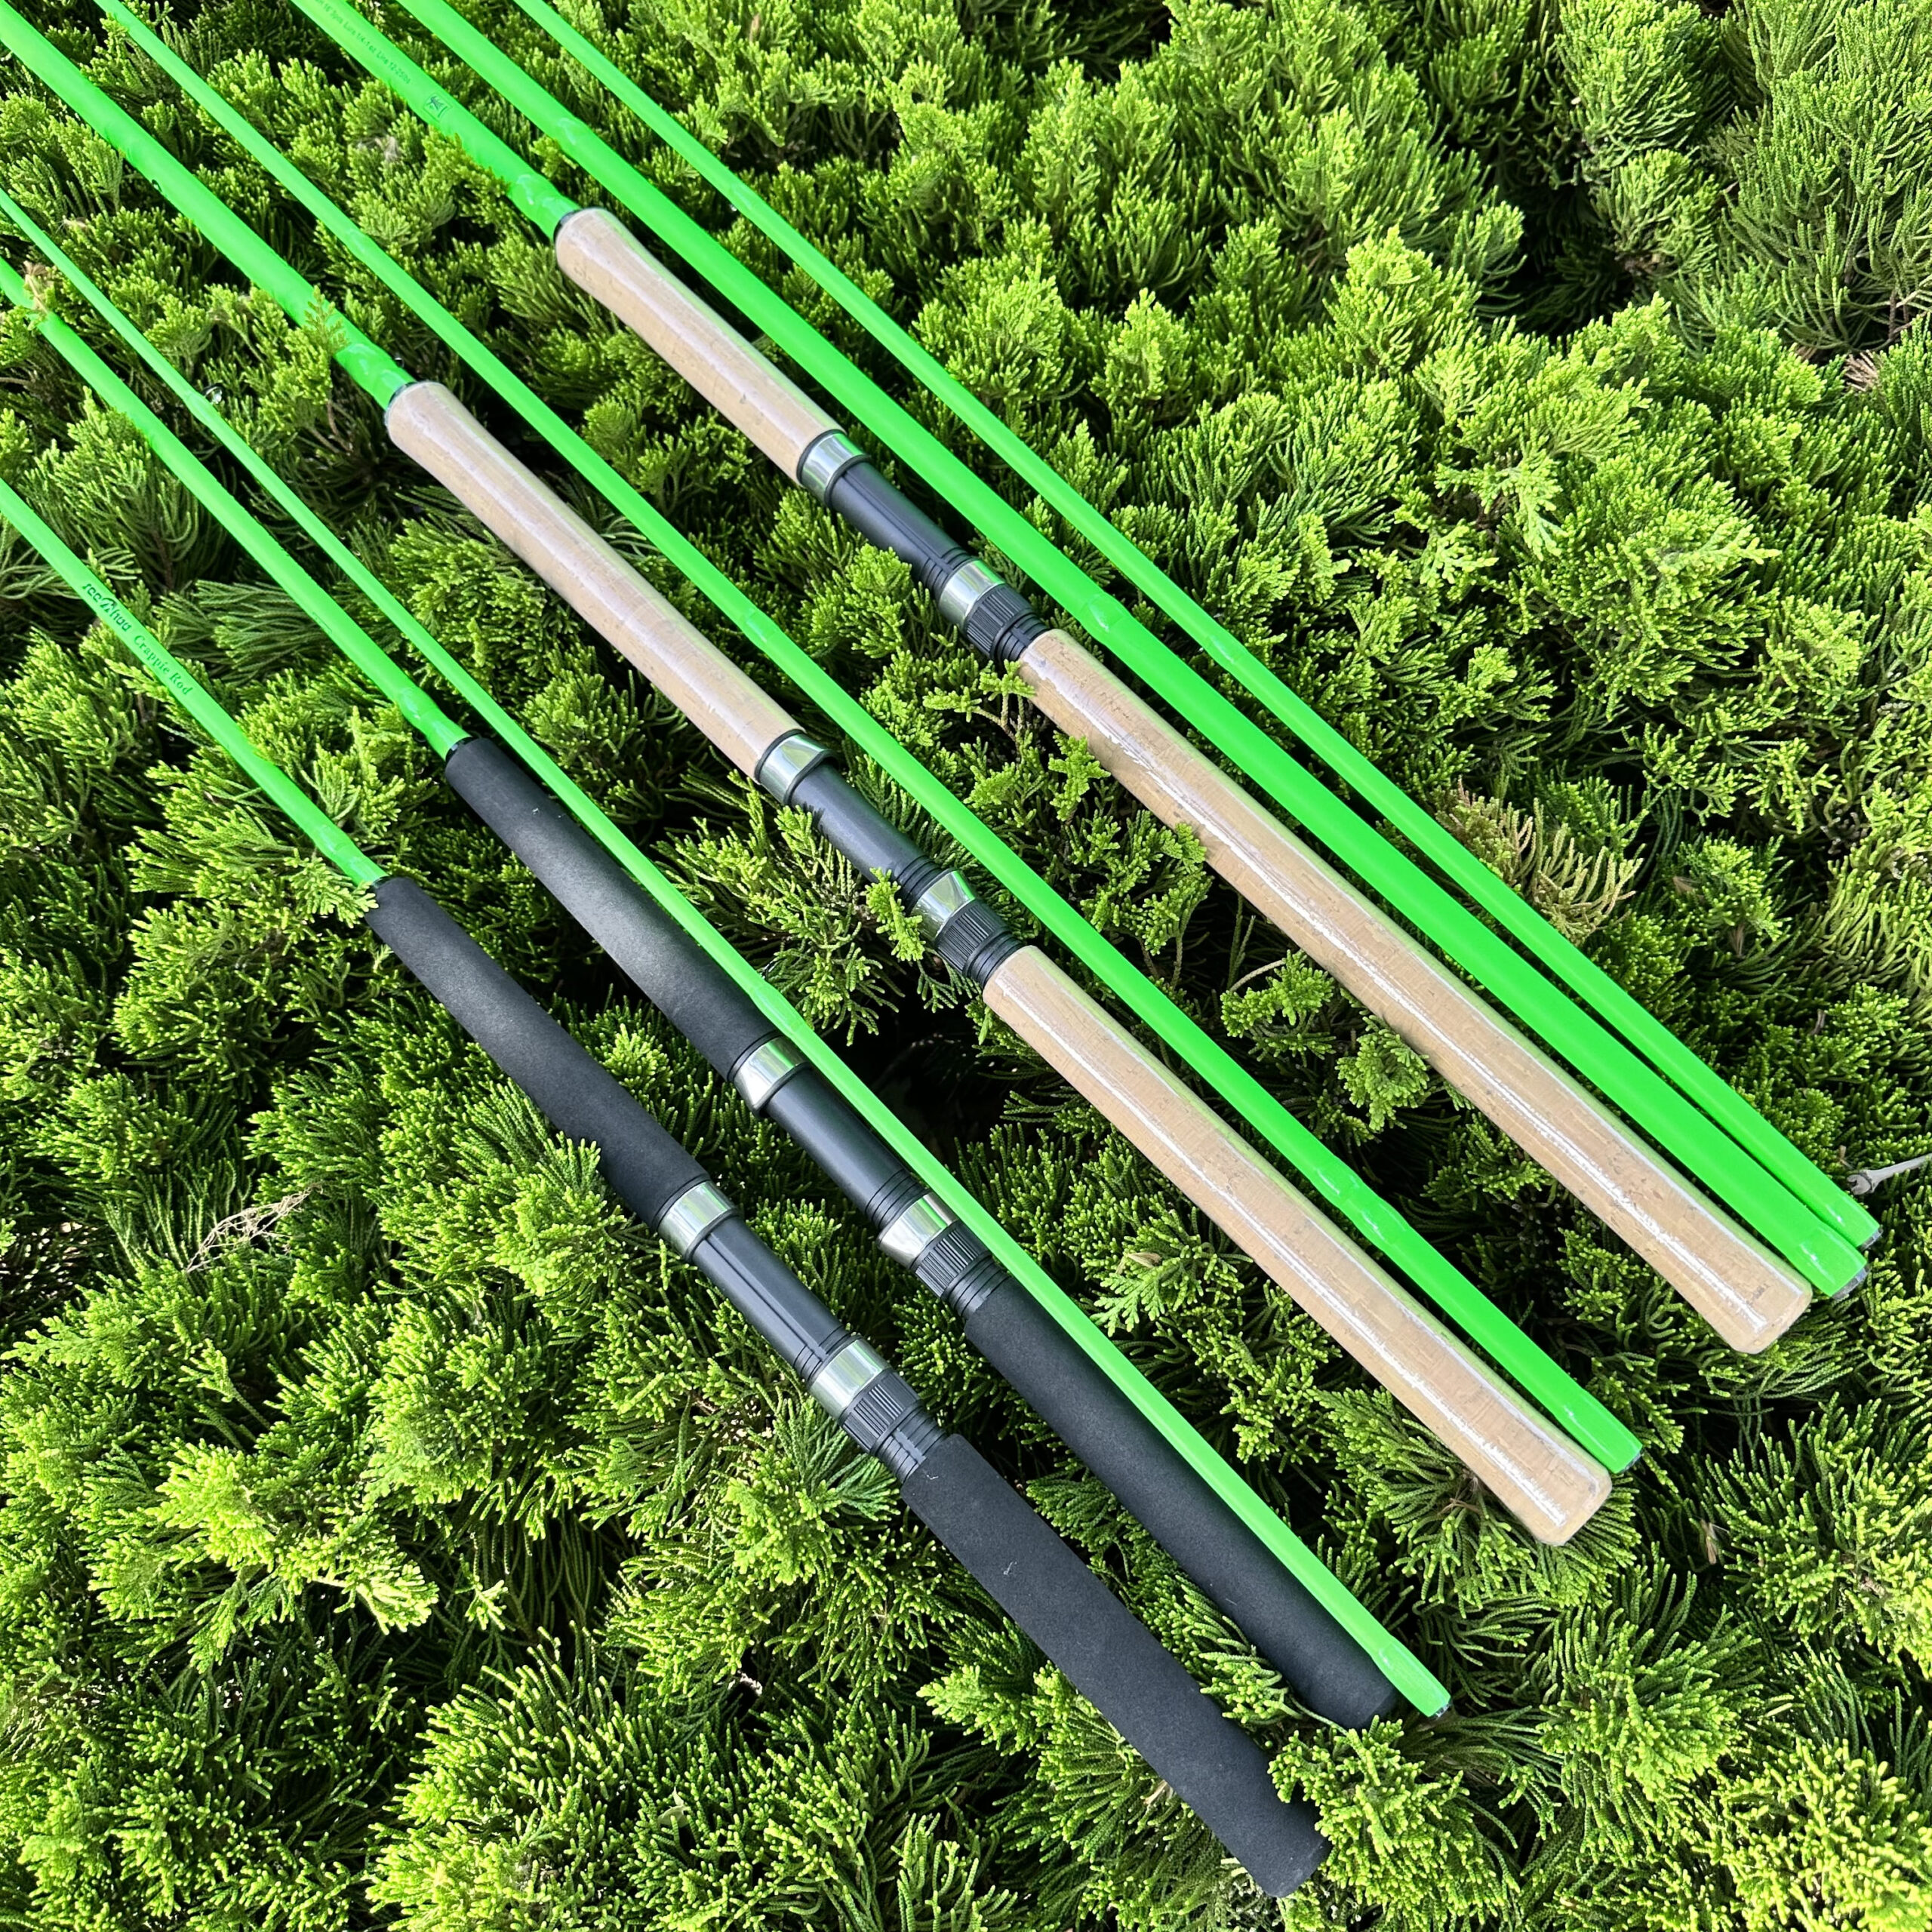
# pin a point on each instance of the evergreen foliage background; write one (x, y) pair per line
(390, 1534)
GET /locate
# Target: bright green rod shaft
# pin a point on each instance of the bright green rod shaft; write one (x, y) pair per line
(416, 706)
(1562, 1397)
(315, 825)
(1787, 1210)
(1402, 1668)
(303, 302)
(1589, 1422)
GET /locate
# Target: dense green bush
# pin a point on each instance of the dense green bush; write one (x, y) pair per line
(390, 1533)
(1762, 164)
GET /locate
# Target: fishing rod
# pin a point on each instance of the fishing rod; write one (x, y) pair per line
(1267, 1614)
(1563, 1026)
(998, 1539)
(1550, 1484)
(1745, 1292)
(1586, 1418)
(1328, 1669)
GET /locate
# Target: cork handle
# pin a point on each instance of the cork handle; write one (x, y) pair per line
(427, 423)
(613, 267)
(1549, 1484)
(1746, 1293)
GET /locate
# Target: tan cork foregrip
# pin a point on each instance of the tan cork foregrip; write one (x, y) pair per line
(613, 267)
(1743, 1291)
(427, 423)
(1550, 1485)
(1747, 1294)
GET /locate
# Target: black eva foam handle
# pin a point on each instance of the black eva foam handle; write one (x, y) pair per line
(671, 970)
(645, 944)
(1328, 1670)
(1113, 1658)
(1116, 1662)
(646, 1168)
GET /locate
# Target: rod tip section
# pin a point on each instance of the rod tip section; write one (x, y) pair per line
(1116, 1662)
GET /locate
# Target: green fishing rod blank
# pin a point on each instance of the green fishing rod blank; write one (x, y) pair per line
(1585, 1418)
(1000, 525)
(307, 817)
(1732, 1296)
(1772, 1186)
(1106, 1651)
(1594, 1424)
(1329, 1671)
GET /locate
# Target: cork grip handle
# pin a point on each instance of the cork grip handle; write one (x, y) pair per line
(427, 423)
(1746, 1293)
(613, 267)
(1549, 1484)
(1546, 1481)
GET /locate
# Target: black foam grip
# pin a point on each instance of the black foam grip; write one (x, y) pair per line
(883, 515)
(1116, 1662)
(645, 943)
(646, 1168)
(1329, 1670)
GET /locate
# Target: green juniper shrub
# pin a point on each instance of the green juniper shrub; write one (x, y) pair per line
(391, 1533)
(1763, 164)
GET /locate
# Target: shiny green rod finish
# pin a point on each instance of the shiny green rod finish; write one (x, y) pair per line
(1579, 1412)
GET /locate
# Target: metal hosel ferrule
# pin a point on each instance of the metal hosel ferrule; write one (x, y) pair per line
(851, 1368)
(859, 1389)
(963, 590)
(941, 903)
(691, 1217)
(826, 459)
(763, 1070)
(784, 764)
(911, 1232)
